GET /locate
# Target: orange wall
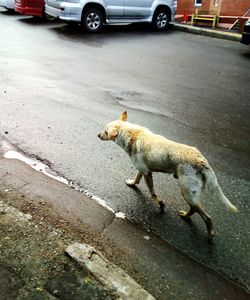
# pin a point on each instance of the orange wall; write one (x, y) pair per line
(227, 7)
(230, 8)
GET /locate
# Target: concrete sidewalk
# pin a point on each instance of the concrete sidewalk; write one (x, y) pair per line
(217, 33)
(159, 268)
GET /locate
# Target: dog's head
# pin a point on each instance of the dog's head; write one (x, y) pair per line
(111, 130)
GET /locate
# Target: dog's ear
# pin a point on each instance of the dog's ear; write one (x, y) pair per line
(124, 116)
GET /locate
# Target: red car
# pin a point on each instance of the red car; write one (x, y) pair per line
(30, 7)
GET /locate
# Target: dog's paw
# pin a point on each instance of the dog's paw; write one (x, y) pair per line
(210, 236)
(130, 182)
(183, 214)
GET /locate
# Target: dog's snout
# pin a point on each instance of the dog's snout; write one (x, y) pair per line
(99, 135)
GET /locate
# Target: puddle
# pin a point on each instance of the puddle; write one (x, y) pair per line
(40, 166)
(35, 164)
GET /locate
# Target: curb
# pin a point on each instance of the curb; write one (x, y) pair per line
(207, 32)
(33, 262)
(117, 280)
(160, 269)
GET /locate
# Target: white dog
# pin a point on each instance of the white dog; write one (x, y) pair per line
(154, 153)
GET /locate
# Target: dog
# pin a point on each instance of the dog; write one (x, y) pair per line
(150, 153)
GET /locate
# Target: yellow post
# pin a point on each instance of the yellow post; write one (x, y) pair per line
(193, 16)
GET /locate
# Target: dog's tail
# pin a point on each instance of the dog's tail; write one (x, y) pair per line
(212, 185)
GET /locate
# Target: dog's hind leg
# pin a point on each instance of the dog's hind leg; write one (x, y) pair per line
(191, 187)
(149, 182)
(186, 214)
(133, 182)
(206, 218)
(208, 221)
(196, 207)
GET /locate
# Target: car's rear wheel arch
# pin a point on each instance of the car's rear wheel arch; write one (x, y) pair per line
(159, 9)
(97, 6)
(93, 17)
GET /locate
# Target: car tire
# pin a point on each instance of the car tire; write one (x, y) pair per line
(92, 20)
(161, 19)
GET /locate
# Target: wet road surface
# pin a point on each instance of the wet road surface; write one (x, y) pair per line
(59, 87)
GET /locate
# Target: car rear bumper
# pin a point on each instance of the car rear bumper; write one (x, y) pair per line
(66, 12)
(54, 12)
(31, 11)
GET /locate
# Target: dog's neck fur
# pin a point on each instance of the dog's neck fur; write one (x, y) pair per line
(126, 136)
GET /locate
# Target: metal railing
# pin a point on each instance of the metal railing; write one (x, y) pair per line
(247, 14)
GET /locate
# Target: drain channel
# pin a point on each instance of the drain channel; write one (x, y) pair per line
(39, 166)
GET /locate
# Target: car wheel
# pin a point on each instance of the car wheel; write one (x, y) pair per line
(92, 20)
(161, 19)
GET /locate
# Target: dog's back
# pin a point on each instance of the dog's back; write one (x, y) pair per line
(159, 153)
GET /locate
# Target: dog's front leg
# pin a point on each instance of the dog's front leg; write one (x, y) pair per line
(149, 182)
(133, 182)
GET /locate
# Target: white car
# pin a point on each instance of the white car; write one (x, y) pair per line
(9, 4)
(92, 14)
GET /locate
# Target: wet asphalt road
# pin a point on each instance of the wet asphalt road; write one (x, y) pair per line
(59, 87)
